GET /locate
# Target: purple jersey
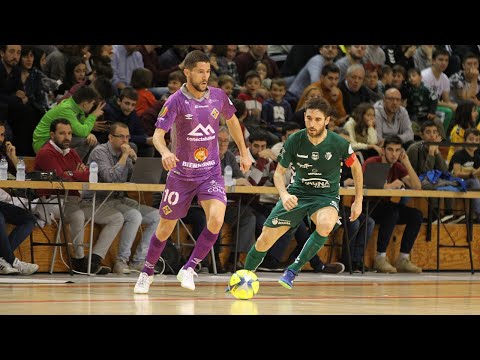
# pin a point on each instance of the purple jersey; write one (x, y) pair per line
(194, 126)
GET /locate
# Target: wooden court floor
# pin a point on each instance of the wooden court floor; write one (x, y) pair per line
(313, 294)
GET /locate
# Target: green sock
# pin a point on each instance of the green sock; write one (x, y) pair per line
(254, 258)
(311, 247)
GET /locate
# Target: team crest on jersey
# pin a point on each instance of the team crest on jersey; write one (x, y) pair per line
(201, 154)
(214, 113)
(163, 112)
(315, 156)
(328, 155)
(166, 210)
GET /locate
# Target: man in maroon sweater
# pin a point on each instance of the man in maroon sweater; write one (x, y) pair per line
(56, 155)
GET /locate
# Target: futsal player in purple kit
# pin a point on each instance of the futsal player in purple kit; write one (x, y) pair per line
(192, 116)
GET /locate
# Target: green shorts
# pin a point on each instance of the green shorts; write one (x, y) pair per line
(306, 207)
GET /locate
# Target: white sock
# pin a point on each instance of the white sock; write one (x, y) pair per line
(403, 256)
(381, 254)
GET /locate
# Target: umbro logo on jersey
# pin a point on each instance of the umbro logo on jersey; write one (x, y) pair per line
(188, 117)
(201, 130)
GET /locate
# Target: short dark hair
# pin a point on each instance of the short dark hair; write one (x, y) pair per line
(115, 125)
(330, 68)
(392, 139)
(128, 92)
(104, 87)
(427, 123)
(473, 131)
(194, 57)
(84, 93)
(259, 135)
(54, 123)
(240, 106)
(289, 126)
(319, 104)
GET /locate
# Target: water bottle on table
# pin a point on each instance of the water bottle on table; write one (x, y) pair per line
(93, 172)
(3, 168)
(20, 169)
(228, 176)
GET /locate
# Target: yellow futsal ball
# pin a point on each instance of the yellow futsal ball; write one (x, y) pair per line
(243, 284)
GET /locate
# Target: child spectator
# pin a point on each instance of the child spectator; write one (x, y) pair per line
(362, 132)
(465, 117)
(261, 67)
(386, 78)
(226, 83)
(141, 81)
(175, 81)
(253, 100)
(371, 79)
(421, 103)
(276, 111)
(213, 80)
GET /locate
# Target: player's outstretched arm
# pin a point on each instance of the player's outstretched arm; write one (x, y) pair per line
(357, 174)
(236, 132)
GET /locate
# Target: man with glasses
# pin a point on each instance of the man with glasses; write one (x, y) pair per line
(115, 165)
(392, 119)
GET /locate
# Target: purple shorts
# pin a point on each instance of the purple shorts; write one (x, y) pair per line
(178, 195)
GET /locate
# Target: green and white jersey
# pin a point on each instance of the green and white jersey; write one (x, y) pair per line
(317, 167)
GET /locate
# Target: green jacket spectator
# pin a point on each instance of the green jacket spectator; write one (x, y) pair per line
(75, 110)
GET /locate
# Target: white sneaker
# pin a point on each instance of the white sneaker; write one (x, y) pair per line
(185, 276)
(6, 268)
(25, 268)
(143, 283)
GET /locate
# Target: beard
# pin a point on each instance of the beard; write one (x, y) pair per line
(63, 145)
(199, 86)
(314, 133)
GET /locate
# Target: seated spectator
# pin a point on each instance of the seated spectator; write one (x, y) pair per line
(20, 111)
(115, 165)
(421, 103)
(465, 164)
(75, 110)
(276, 110)
(353, 90)
(392, 119)
(56, 155)
(388, 214)
(425, 158)
(362, 132)
(75, 73)
(465, 118)
(141, 81)
(123, 110)
(465, 84)
(24, 222)
(175, 81)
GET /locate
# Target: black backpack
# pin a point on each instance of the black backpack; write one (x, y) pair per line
(169, 262)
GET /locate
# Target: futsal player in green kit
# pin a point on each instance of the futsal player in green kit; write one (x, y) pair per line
(316, 155)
